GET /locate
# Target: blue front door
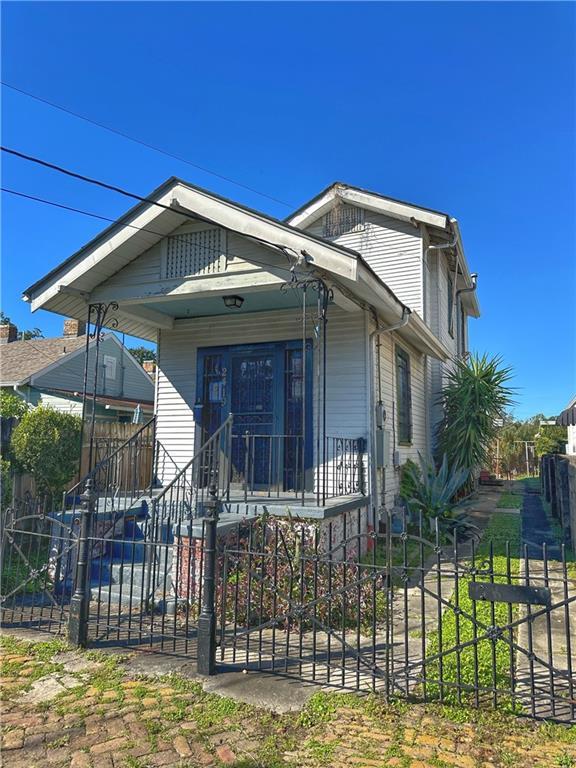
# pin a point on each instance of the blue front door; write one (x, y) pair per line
(262, 386)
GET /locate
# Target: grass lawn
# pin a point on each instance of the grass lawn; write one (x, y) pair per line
(473, 665)
(510, 501)
(169, 720)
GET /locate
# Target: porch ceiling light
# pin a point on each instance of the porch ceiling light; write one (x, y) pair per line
(233, 302)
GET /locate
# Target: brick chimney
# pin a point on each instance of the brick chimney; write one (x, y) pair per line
(8, 333)
(74, 328)
(149, 366)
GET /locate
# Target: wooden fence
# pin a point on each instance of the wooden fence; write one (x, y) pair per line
(108, 436)
(558, 473)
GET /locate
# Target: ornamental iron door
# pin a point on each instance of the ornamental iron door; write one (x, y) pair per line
(262, 385)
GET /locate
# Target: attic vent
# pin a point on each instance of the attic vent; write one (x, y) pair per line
(195, 253)
(343, 219)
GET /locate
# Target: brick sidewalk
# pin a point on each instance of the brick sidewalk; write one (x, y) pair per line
(63, 708)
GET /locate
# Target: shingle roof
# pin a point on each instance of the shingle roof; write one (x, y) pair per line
(21, 359)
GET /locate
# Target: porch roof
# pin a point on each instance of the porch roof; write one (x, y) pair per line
(77, 281)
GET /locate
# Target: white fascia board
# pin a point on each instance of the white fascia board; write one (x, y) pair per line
(387, 206)
(201, 286)
(314, 210)
(102, 250)
(323, 254)
(393, 208)
(149, 315)
(420, 336)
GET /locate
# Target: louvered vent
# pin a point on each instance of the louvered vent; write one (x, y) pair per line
(195, 253)
(343, 219)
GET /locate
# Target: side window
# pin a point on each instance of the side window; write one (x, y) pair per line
(403, 396)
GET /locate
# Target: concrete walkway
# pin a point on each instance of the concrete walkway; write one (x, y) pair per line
(536, 528)
(545, 680)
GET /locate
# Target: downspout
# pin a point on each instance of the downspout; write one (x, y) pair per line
(446, 247)
(23, 395)
(378, 406)
(474, 277)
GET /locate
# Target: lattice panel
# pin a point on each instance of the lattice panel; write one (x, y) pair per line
(342, 219)
(195, 253)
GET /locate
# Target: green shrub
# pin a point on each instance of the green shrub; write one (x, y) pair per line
(46, 444)
(12, 406)
(6, 482)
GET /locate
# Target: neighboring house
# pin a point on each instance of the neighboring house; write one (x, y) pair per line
(568, 419)
(51, 372)
(326, 413)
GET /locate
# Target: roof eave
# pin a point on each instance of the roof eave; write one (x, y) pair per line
(400, 209)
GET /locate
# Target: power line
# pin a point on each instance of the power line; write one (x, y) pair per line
(71, 209)
(126, 193)
(124, 135)
(75, 210)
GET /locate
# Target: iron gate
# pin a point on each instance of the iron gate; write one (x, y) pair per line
(400, 612)
(135, 576)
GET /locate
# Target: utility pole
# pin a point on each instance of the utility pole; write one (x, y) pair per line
(526, 444)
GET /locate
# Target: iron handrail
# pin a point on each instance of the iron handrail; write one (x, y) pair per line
(97, 467)
(182, 473)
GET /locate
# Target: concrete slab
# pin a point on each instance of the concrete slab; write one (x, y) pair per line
(47, 688)
(72, 661)
(266, 691)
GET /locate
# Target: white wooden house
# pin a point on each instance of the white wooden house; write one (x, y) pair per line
(328, 400)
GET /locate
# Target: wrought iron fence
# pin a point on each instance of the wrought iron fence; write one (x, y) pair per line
(400, 608)
(408, 614)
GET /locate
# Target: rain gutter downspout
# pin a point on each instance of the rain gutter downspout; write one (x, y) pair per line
(406, 312)
(474, 278)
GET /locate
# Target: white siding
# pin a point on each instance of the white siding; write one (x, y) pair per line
(347, 389)
(62, 404)
(394, 251)
(419, 442)
(439, 323)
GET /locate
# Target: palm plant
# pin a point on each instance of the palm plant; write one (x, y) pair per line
(433, 496)
(434, 490)
(474, 398)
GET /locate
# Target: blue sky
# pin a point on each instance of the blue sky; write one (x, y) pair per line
(468, 108)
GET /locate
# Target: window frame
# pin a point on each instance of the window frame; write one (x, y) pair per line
(404, 421)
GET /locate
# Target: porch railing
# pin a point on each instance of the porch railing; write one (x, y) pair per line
(282, 467)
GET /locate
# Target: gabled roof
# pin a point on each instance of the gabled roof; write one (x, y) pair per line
(400, 209)
(67, 289)
(20, 360)
(168, 202)
(23, 362)
(437, 221)
(568, 416)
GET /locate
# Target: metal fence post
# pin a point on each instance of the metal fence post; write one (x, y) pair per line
(78, 619)
(206, 664)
